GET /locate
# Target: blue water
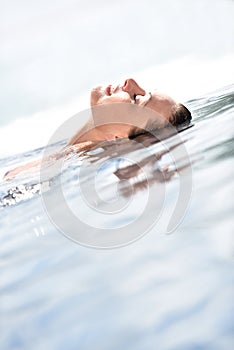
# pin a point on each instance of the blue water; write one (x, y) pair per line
(161, 292)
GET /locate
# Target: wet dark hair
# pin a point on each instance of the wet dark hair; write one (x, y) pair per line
(180, 115)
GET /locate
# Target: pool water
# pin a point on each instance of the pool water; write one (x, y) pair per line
(163, 291)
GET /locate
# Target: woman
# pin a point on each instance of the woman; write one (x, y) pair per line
(120, 111)
(160, 111)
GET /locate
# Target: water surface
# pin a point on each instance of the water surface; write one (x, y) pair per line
(161, 292)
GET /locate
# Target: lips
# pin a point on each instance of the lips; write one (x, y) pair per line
(108, 90)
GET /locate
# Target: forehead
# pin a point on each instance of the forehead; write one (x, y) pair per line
(162, 104)
(162, 96)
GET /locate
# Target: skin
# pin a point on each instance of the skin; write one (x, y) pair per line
(159, 105)
(159, 108)
(130, 91)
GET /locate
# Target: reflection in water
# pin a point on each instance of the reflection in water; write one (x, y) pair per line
(110, 150)
(155, 172)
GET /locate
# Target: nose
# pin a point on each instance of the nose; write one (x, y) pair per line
(132, 88)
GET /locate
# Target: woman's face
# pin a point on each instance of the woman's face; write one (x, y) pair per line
(131, 92)
(126, 92)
